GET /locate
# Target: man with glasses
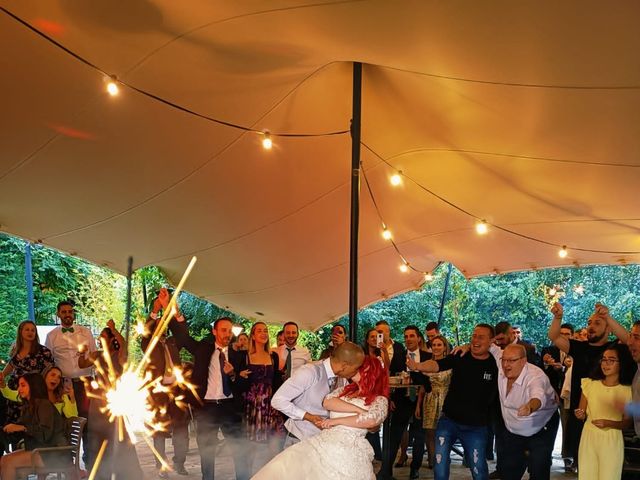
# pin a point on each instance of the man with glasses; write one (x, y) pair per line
(530, 411)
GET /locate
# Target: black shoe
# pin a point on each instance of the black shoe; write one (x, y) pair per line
(414, 474)
(495, 474)
(180, 470)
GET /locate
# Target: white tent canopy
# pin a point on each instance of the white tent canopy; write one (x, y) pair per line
(525, 114)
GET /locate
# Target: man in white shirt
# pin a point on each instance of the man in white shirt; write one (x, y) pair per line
(529, 407)
(66, 342)
(300, 397)
(292, 356)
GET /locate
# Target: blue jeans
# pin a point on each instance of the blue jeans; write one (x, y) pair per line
(474, 443)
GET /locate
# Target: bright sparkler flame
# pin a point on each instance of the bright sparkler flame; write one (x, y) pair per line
(129, 401)
(129, 398)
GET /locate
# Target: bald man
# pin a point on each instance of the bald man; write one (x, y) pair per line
(300, 397)
(530, 410)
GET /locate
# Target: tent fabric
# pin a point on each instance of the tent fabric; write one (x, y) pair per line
(524, 114)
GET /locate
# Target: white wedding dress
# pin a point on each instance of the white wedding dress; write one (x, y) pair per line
(337, 453)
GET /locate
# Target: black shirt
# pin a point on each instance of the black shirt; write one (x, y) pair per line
(585, 360)
(474, 386)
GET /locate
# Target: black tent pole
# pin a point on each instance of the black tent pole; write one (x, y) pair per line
(444, 294)
(355, 200)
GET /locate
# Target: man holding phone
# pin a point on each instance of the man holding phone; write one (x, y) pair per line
(396, 351)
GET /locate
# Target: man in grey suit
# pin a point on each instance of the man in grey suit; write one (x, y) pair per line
(300, 397)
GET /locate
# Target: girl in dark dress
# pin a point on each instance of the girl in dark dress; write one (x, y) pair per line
(41, 425)
(260, 378)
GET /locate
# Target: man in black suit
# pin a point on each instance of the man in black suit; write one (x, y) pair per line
(162, 361)
(218, 405)
(556, 362)
(403, 406)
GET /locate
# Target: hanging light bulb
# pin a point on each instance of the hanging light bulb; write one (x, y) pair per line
(562, 253)
(482, 228)
(396, 178)
(267, 143)
(552, 292)
(404, 268)
(112, 86)
(428, 277)
(386, 234)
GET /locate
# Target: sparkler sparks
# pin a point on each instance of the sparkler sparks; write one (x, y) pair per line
(128, 397)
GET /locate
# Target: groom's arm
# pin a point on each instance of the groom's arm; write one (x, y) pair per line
(284, 399)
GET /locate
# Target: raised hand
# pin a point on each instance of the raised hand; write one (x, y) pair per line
(557, 310)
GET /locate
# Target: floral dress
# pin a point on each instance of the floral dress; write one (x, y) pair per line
(32, 363)
(261, 419)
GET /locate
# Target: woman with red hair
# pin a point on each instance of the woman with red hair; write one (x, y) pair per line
(340, 450)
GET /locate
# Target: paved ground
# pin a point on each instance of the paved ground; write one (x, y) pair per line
(224, 466)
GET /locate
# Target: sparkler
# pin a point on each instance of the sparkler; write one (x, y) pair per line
(129, 397)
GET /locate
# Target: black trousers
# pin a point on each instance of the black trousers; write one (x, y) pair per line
(401, 418)
(539, 447)
(82, 401)
(225, 416)
(178, 429)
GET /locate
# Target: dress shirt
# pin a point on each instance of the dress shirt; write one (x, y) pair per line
(299, 356)
(531, 383)
(304, 393)
(65, 349)
(390, 350)
(214, 383)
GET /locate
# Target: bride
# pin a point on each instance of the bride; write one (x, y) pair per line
(340, 450)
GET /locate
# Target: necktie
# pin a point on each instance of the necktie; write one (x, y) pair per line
(412, 390)
(226, 385)
(67, 330)
(288, 361)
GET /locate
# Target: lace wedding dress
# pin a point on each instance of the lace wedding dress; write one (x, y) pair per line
(337, 453)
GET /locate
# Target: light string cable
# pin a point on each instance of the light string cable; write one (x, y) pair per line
(161, 99)
(562, 247)
(408, 264)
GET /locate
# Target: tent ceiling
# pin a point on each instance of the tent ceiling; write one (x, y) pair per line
(509, 110)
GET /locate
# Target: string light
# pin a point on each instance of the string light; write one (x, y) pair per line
(396, 178)
(112, 86)
(428, 277)
(552, 291)
(482, 228)
(404, 267)
(562, 253)
(579, 289)
(267, 143)
(386, 234)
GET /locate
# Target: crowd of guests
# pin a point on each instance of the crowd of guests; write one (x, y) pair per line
(496, 393)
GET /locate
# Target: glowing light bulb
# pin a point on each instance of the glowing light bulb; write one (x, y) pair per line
(579, 289)
(236, 330)
(267, 143)
(552, 292)
(386, 234)
(396, 179)
(404, 268)
(112, 87)
(482, 228)
(562, 253)
(428, 277)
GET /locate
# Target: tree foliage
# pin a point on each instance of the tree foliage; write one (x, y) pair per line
(521, 298)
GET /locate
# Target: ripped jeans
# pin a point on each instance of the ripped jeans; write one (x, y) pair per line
(473, 439)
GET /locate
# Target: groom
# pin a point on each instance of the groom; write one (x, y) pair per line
(300, 397)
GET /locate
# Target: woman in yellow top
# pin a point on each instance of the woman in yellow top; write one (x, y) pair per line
(60, 395)
(601, 451)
